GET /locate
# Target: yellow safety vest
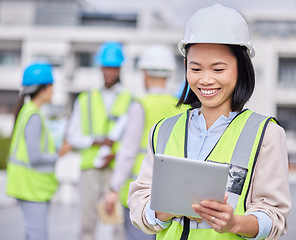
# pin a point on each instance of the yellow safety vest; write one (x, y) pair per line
(156, 107)
(239, 146)
(25, 181)
(96, 122)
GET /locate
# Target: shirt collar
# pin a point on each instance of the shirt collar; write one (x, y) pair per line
(196, 114)
(117, 88)
(199, 120)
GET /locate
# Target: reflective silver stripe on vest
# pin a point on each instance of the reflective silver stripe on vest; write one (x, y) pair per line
(165, 132)
(18, 137)
(41, 167)
(193, 223)
(133, 176)
(89, 115)
(44, 168)
(18, 162)
(244, 145)
(243, 148)
(142, 150)
(46, 143)
(112, 118)
(240, 155)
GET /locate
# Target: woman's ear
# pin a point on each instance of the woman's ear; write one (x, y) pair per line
(42, 91)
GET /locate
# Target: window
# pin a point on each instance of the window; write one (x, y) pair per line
(8, 101)
(10, 57)
(268, 28)
(56, 12)
(286, 116)
(292, 159)
(56, 61)
(85, 59)
(125, 20)
(287, 72)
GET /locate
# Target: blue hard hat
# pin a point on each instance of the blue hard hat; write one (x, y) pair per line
(110, 54)
(39, 73)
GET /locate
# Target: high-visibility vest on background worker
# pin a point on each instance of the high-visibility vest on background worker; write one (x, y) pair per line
(156, 107)
(26, 181)
(238, 146)
(96, 122)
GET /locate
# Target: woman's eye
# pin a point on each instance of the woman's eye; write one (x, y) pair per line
(219, 70)
(195, 69)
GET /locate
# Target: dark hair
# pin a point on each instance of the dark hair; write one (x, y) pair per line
(21, 98)
(245, 80)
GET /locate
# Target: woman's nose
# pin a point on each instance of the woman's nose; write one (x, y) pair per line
(206, 79)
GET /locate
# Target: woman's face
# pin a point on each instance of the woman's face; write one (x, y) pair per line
(212, 75)
(47, 94)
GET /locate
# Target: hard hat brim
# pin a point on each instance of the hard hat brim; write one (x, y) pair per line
(182, 44)
(30, 89)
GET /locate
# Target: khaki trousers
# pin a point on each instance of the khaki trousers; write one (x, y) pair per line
(94, 185)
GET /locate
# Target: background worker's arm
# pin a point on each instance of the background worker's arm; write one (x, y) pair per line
(127, 154)
(140, 194)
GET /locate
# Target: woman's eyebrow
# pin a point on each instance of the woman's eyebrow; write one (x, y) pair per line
(219, 63)
(214, 64)
(194, 62)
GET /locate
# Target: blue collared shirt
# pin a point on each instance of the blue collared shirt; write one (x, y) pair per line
(200, 143)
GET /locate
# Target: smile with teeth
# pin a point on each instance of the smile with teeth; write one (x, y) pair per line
(209, 91)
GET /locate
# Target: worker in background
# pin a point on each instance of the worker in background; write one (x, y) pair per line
(32, 155)
(94, 115)
(157, 63)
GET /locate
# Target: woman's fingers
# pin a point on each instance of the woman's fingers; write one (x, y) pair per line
(216, 220)
(217, 214)
(199, 220)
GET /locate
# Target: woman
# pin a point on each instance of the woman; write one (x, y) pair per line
(220, 74)
(32, 155)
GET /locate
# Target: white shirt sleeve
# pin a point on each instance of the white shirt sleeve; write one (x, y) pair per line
(126, 156)
(118, 131)
(75, 136)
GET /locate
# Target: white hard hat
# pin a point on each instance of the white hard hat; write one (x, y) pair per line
(217, 24)
(158, 61)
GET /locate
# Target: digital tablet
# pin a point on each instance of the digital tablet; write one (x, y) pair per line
(177, 183)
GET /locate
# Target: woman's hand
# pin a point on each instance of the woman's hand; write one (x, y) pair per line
(199, 220)
(220, 216)
(164, 217)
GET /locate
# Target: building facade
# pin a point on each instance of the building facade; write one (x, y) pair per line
(67, 33)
